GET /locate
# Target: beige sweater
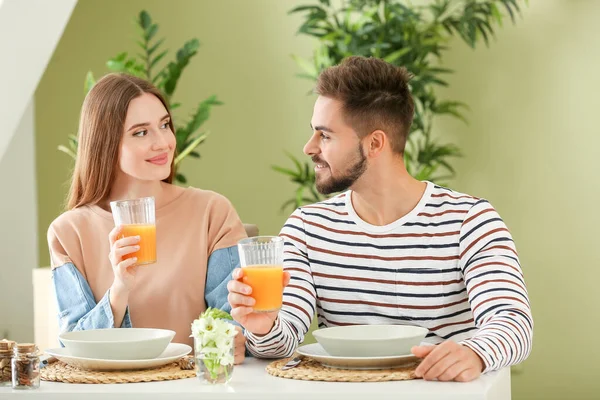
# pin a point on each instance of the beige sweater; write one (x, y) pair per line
(170, 293)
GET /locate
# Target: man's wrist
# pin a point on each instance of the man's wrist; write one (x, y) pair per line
(260, 335)
(476, 356)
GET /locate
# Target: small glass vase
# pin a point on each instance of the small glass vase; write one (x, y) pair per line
(209, 368)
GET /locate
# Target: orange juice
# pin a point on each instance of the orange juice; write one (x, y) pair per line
(267, 286)
(147, 233)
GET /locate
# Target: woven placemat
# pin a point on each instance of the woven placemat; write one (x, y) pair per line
(61, 372)
(311, 370)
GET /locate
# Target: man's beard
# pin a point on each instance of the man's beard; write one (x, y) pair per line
(341, 183)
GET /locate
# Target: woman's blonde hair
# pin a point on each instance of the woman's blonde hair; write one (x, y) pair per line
(101, 127)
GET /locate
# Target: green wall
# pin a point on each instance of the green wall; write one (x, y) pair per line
(530, 147)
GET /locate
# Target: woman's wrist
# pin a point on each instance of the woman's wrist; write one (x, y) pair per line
(119, 296)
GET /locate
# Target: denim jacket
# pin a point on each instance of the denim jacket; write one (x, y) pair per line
(78, 310)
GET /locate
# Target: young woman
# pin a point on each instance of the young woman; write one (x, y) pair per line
(126, 151)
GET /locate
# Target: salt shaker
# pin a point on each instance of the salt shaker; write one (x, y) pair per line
(25, 366)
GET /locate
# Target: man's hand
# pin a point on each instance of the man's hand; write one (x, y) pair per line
(242, 304)
(448, 361)
(239, 346)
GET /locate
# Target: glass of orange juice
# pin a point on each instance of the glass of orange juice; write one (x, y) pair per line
(261, 258)
(137, 217)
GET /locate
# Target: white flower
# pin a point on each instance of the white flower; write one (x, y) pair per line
(210, 350)
(226, 359)
(224, 344)
(196, 328)
(208, 325)
(208, 339)
(203, 326)
(219, 327)
(230, 330)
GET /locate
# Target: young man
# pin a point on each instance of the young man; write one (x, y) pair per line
(391, 249)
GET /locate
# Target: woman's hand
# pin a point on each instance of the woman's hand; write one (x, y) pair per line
(124, 270)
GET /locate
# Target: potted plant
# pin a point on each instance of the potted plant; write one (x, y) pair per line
(407, 35)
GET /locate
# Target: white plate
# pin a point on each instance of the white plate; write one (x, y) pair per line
(316, 352)
(173, 352)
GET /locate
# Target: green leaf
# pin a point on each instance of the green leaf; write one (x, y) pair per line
(190, 147)
(305, 178)
(316, 196)
(290, 202)
(180, 178)
(306, 172)
(89, 82)
(284, 171)
(73, 142)
(200, 115)
(172, 72)
(215, 313)
(508, 5)
(447, 166)
(67, 151)
(450, 107)
(306, 76)
(496, 13)
(313, 9)
(295, 161)
(440, 70)
(158, 58)
(305, 65)
(150, 32)
(115, 66)
(155, 46)
(120, 57)
(393, 57)
(144, 19)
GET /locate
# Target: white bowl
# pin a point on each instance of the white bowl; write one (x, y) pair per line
(370, 340)
(117, 343)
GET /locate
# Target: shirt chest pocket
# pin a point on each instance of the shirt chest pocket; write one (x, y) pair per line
(428, 294)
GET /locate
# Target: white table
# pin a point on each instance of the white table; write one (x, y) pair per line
(251, 382)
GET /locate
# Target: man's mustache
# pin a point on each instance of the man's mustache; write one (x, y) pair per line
(317, 160)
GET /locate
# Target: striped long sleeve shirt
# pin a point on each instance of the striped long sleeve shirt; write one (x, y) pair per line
(450, 265)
